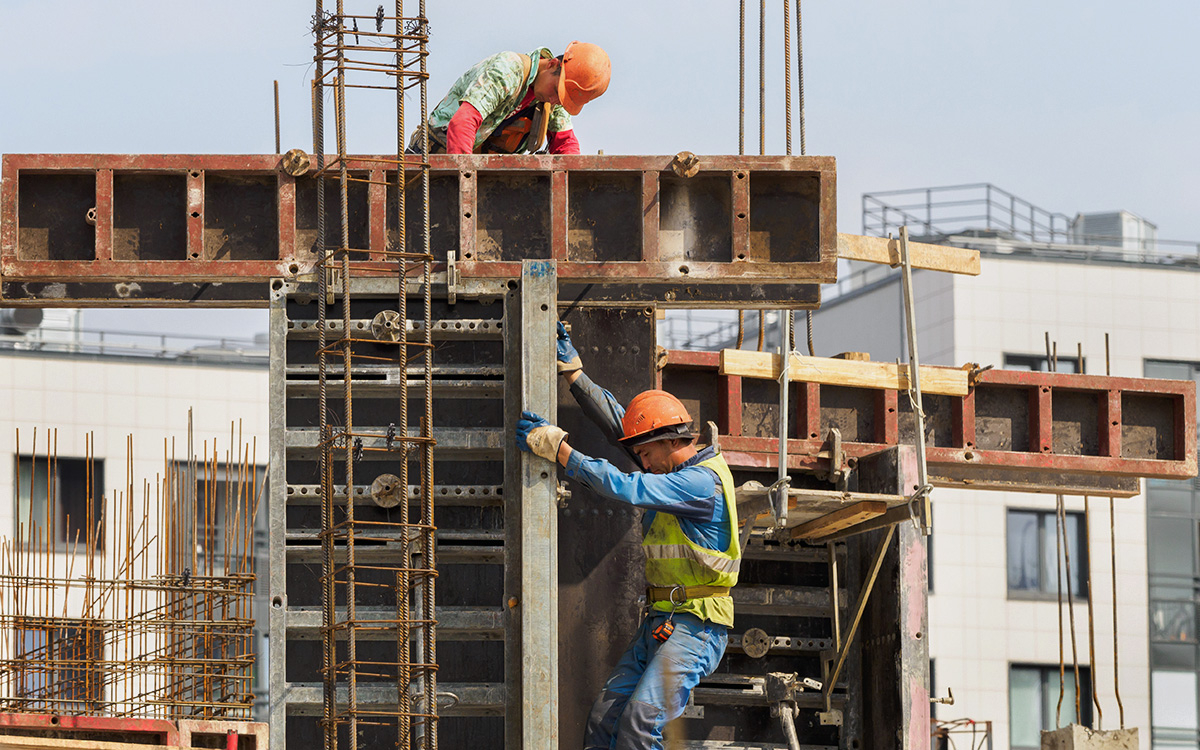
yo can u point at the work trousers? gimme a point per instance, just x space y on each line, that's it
651 683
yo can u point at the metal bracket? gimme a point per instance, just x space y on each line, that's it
947 701
914 384
691 710
864 595
452 278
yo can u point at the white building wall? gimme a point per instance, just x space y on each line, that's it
976 630
68 397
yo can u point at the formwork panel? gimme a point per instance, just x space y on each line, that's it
757 231
694 219
604 216
149 217
53 216
240 217
513 222
785 218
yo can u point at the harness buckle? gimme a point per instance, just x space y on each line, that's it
682 591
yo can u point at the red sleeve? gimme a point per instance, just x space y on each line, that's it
564 142
463 127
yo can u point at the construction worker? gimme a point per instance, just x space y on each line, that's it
511 103
689 536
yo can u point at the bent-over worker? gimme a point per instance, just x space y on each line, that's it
511 103
689 536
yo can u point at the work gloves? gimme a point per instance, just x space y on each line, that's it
568 358
537 436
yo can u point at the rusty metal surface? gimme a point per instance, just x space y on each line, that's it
767 223
1030 431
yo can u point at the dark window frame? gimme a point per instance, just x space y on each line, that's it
1079 561
1048 676
32 474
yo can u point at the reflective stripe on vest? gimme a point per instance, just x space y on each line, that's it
673 559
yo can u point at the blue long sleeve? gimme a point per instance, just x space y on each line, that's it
688 493
691 493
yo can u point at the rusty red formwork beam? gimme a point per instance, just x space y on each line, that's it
747 230
1024 431
103 728
183 733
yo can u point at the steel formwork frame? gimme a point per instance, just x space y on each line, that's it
751 231
1016 430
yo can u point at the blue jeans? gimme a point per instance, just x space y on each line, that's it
651 683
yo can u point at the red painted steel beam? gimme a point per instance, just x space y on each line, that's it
152 731
209 219
1119 427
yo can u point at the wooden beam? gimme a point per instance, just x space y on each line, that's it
931 257
834 522
946 381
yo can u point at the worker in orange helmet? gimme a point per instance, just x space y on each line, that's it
689 536
511 103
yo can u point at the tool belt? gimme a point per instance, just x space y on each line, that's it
677 595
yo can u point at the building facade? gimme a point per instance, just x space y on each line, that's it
113 410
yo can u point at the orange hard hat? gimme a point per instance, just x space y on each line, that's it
655 415
585 72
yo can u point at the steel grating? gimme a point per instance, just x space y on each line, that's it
1022 431
94 229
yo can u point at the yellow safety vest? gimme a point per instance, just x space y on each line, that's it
674 560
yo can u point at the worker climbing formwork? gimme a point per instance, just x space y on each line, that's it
689 529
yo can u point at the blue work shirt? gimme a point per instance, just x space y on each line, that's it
690 492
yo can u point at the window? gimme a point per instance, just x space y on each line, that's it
53 493
220 493
1173 559
58 657
1039 363
1033 702
1032 543
1173 714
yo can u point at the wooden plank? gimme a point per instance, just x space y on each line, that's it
932 257
834 522
947 381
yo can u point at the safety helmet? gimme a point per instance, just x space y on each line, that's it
585 72
655 415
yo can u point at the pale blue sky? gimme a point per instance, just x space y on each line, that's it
1072 105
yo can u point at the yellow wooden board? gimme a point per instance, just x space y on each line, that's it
833 522
947 381
932 257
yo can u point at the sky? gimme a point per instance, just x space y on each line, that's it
1075 106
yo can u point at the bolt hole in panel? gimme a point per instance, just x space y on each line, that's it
694 219
443 212
604 216
785 218
52 214
306 215
1002 419
1076 422
513 221
149 216
240 217
1148 427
